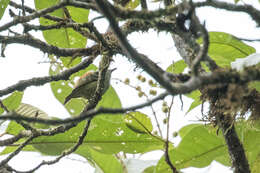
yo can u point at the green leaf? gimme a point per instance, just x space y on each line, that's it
225 48
195 95
110 100
255 85
103 136
112 137
79 15
186 129
198 148
106 162
12 102
255 167
14 128
150 169
250 137
177 67
63 37
3 5
138 122
10 149
200 145
132 4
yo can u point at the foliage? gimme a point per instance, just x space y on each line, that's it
117 132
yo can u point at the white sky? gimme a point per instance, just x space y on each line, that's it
23 62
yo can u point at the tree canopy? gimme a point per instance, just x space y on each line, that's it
217 69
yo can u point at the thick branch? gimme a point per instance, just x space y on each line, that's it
46 48
235 147
149 66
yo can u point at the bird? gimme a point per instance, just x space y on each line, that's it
86 85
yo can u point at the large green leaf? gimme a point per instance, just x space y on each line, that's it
63 37
103 136
225 48
250 137
256 165
3 5
12 102
110 100
198 148
200 145
103 139
112 137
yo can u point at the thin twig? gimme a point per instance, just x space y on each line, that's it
13 139
65 153
24 19
30 10
167 157
250 10
10 156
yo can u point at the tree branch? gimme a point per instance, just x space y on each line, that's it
24 19
149 66
235 147
46 48
37 81
30 10
250 10
84 115
65 153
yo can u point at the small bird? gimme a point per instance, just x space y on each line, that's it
86 85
